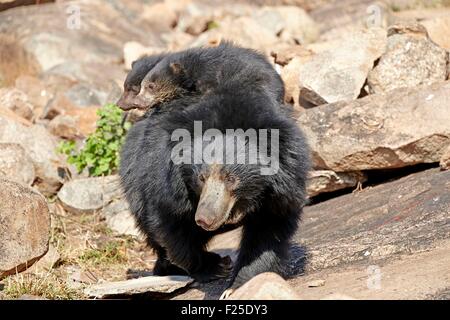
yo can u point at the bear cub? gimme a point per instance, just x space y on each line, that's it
209 68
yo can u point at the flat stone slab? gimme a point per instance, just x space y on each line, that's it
405 216
136 286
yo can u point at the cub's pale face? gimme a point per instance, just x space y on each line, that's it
160 85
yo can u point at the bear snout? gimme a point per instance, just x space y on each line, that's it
204 223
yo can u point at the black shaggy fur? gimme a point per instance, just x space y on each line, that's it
203 70
206 69
163 196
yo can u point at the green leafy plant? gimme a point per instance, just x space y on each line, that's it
100 153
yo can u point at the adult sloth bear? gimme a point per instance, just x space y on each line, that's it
180 199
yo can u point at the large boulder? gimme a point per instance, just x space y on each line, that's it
15 164
411 59
24 227
50 41
60 32
398 129
40 146
339 74
401 217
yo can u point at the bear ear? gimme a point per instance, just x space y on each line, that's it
176 68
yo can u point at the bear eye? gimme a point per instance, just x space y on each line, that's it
151 85
202 178
136 89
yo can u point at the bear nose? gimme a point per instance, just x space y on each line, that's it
203 223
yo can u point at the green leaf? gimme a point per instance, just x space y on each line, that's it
100 153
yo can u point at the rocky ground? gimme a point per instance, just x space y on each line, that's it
369 83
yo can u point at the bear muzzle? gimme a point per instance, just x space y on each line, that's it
214 206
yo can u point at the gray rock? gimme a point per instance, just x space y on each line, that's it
85 195
411 59
102 193
87 84
339 74
244 31
321 181
265 286
380 131
64 126
55 33
41 146
15 164
24 227
17 101
119 218
117 210
141 285
290 23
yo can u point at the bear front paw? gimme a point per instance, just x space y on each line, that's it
217 268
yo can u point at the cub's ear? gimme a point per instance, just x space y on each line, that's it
176 68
